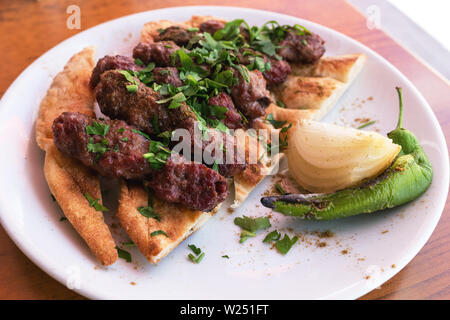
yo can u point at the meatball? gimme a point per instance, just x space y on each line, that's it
110 63
279 69
118 153
211 26
177 34
139 108
192 184
251 97
160 53
306 48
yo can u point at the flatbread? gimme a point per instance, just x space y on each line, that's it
69 91
67 178
177 222
343 68
68 181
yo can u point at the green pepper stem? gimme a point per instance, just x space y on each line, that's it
400 102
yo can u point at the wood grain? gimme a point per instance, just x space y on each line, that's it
29 28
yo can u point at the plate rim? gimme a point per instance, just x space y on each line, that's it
26 246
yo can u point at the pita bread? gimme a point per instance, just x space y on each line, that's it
177 222
67 178
343 68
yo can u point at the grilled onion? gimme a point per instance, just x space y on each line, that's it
324 157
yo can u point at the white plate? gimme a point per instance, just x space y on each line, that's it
253 270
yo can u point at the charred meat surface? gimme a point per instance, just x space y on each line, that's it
277 72
160 53
139 108
115 149
251 97
233 119
110 63
188 183
211 26
177 34
306 48
117 153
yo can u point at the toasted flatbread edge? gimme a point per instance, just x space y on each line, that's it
67 178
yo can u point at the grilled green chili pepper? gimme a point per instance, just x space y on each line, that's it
406 179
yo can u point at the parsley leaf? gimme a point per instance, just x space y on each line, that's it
158 232
272 236
245 235
123 254
94 203
157 154
195 259
285 244
275 123
97 128
280 189
149 212
195 249
198 254
252 225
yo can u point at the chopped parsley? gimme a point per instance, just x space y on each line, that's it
280 189
157 154
139 62
195 249
272 236
124 139
369 123
285 244
149 212
197 258
175 100
123 254
132 88
63 219
281 104
158 232
277 124
245 235
98 148
129 244
94 203
146 136
250 226
97 128
226 257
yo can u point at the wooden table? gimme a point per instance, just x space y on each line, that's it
29 28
